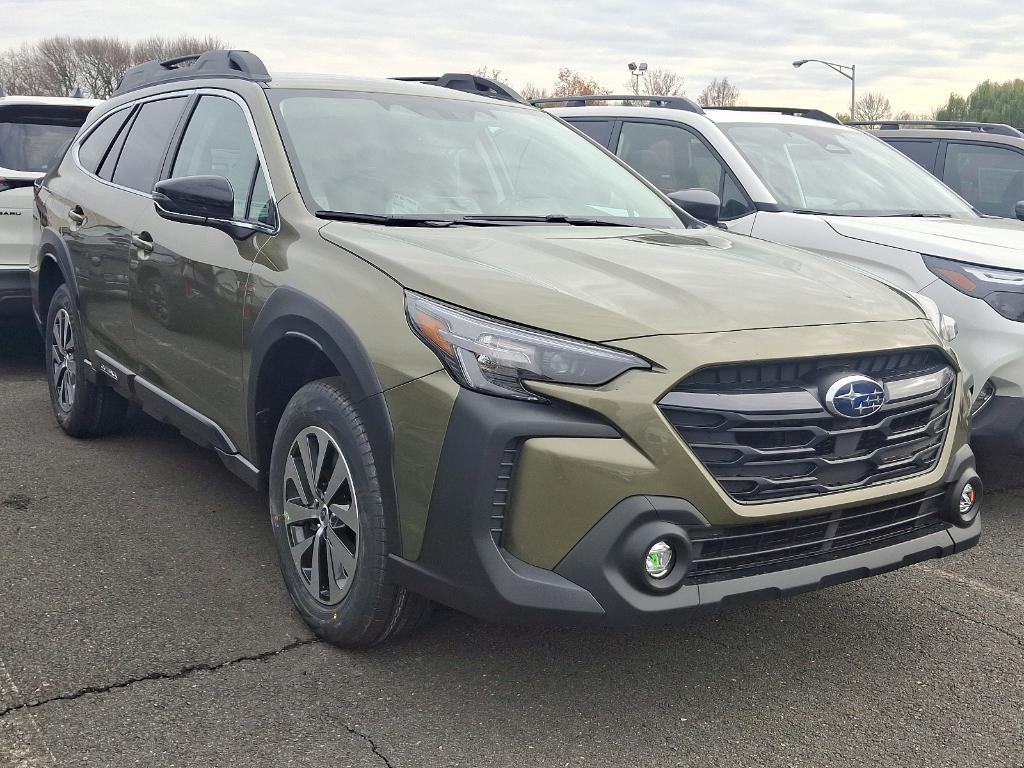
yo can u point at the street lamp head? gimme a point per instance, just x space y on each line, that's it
798 64
643 66
632 66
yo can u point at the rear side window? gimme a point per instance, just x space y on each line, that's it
218 142
143 152
97 143
921 152
990 178
33 136
599 130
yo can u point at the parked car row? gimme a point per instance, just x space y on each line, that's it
476 359
801 178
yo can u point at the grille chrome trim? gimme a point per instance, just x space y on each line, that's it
766 444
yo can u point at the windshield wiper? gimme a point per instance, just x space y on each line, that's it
388 221
916 216
554 218
813 212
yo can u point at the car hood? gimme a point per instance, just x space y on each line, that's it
992 242
603 283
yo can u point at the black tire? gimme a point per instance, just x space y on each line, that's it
90 409
369 610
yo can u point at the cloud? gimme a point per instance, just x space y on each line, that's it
916 52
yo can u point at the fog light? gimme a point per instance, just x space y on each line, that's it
967 498
659 560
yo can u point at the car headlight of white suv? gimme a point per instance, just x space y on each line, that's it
1001 289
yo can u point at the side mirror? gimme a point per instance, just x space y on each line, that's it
204 200
699 203
1018 210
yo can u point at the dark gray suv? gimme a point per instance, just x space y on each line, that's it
982 162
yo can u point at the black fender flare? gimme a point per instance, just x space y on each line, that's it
291 313
52 246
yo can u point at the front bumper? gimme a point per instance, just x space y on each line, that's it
15 292
464 561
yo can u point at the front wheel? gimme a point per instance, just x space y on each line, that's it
82 409
329 522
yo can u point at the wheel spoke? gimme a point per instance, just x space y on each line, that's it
294 472
334 571
306 463
340 554
300 548
346 513
296 514
58 335
317 564
338 477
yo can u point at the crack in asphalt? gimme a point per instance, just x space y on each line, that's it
185 671
369 740
966 617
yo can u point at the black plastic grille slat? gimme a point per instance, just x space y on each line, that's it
720 553
771 455
503 490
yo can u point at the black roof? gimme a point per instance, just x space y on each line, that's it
212 64
999 129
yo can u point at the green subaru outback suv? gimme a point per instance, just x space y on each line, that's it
475 360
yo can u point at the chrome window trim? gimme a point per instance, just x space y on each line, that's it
222 93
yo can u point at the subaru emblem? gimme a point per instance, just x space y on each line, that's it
855 397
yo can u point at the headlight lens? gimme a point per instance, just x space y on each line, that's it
1001 289
497 358
944 325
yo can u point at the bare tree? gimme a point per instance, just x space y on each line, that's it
531 91
492 73
873 106
573 83
662 82
719 93
55 65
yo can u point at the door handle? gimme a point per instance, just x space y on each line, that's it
143 242
77 215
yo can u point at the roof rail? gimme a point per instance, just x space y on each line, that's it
810 114
668 102
240 64
1001 129
466 83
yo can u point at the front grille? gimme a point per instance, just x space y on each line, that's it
763 433
746 550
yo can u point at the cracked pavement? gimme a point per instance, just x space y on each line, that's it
143 623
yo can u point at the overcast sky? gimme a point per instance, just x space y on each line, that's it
915 52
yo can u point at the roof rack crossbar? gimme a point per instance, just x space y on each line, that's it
467 83
810 114
1001 129
235 64
668 102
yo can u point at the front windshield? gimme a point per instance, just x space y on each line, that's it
442 158
841 171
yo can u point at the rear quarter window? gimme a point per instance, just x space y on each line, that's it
94 148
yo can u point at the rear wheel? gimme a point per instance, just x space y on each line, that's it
82 409
330 525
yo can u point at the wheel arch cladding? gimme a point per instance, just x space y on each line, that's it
292 320
54 263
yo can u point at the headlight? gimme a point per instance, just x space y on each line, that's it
497 358
1001 289
944 325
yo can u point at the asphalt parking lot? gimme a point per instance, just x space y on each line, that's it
143 623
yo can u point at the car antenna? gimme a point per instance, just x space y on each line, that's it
76 92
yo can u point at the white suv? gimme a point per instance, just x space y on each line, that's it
801 178
33 131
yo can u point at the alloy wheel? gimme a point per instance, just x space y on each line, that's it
62 360
321 517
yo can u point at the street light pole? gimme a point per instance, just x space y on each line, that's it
847 71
